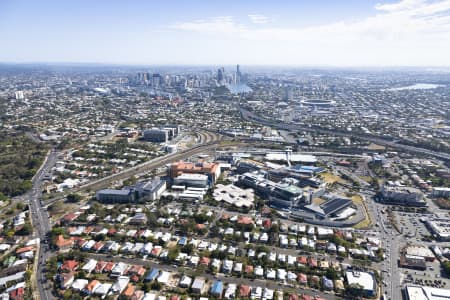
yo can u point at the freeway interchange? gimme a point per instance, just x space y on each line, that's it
249 116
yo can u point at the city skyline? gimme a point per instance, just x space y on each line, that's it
323 33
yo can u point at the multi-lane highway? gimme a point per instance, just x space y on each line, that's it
249 116
41 225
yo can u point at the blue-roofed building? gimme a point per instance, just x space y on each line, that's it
152 275
327 283
182 241
307 170
217 288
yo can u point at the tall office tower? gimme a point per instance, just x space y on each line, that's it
288 94
219 75
156 80
19 95
238 75
146 77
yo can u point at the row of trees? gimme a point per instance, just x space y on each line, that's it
20 157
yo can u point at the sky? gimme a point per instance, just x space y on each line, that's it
226 32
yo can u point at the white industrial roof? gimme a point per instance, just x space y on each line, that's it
364 279
426 293
292 157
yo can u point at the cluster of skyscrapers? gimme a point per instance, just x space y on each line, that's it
237 77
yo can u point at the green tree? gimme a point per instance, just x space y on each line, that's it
25 230
446 267
74 198
173 254
355 290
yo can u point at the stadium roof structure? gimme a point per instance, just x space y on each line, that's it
331 206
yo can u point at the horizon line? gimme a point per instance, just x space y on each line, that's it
114 64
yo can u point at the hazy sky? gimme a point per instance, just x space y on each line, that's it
251 32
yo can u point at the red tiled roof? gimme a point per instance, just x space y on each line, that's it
245 220
293 297
70 217
244 290
69 265
109 266
302 260
61 242
204 261
267 223
129 291
91 285
17 294
24 249
301 277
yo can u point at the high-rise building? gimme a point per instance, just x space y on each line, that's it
238 75
19 95
156 135
146 77
156 80
219 75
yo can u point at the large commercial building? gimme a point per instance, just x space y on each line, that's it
285 195
413 262
234 195
364 279
150 190
211 170
330 207
115 196
425 293
142 191
440 227
401 196
191 180
156 135
443 192
172 130
420 251
161 134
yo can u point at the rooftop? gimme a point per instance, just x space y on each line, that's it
364 279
